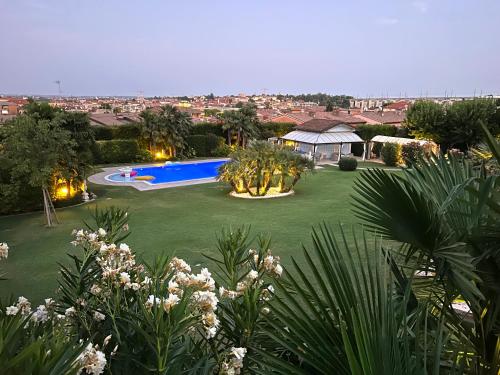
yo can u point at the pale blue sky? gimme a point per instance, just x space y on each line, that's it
189 47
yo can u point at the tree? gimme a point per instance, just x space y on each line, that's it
425 120
79 164
39 149
329 107
167 129
243 123
40 110
456 125
462 129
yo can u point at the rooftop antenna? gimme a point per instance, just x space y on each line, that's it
58 83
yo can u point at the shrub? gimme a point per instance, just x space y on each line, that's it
222 150
391 154
348 164
117 151
411 152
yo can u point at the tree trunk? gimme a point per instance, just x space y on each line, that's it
68 186
229 137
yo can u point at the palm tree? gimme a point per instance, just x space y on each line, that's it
167 129
242 122
445 212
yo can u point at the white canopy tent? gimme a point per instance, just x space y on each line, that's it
326 145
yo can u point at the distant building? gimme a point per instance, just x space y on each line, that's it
8 108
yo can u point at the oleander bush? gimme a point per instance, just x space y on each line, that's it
348 163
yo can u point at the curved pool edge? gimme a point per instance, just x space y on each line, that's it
100 178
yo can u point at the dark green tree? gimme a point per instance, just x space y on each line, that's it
425 120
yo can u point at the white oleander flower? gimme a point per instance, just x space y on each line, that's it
11 310
101 232
24 305
4 250
171 301
98 316
95 289
91 361
252 275
124 278
70 311
41 314
151 301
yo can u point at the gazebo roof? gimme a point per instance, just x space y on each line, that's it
399 140
322 138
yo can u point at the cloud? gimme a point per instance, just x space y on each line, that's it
421 6
386 21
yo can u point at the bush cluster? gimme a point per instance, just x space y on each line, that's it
348 163
391 154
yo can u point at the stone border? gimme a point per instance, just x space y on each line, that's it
248 196
101 178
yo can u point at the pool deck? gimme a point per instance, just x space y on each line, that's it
101 177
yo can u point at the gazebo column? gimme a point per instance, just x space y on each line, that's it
364 151
340 152
314 152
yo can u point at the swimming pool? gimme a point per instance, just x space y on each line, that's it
172 172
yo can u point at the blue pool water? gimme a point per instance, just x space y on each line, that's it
175 172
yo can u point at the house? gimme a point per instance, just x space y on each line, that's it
323 139
382 117
8 108
109 119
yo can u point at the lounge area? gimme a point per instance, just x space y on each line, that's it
322 140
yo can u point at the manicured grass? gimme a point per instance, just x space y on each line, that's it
185 220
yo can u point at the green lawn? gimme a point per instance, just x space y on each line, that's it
184 220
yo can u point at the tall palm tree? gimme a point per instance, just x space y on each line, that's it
167 129
242 122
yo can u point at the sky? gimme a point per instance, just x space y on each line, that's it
194 47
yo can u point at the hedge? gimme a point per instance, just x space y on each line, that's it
204 128
204 145
127 131
118 151
367 132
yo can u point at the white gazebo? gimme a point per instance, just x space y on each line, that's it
322 139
